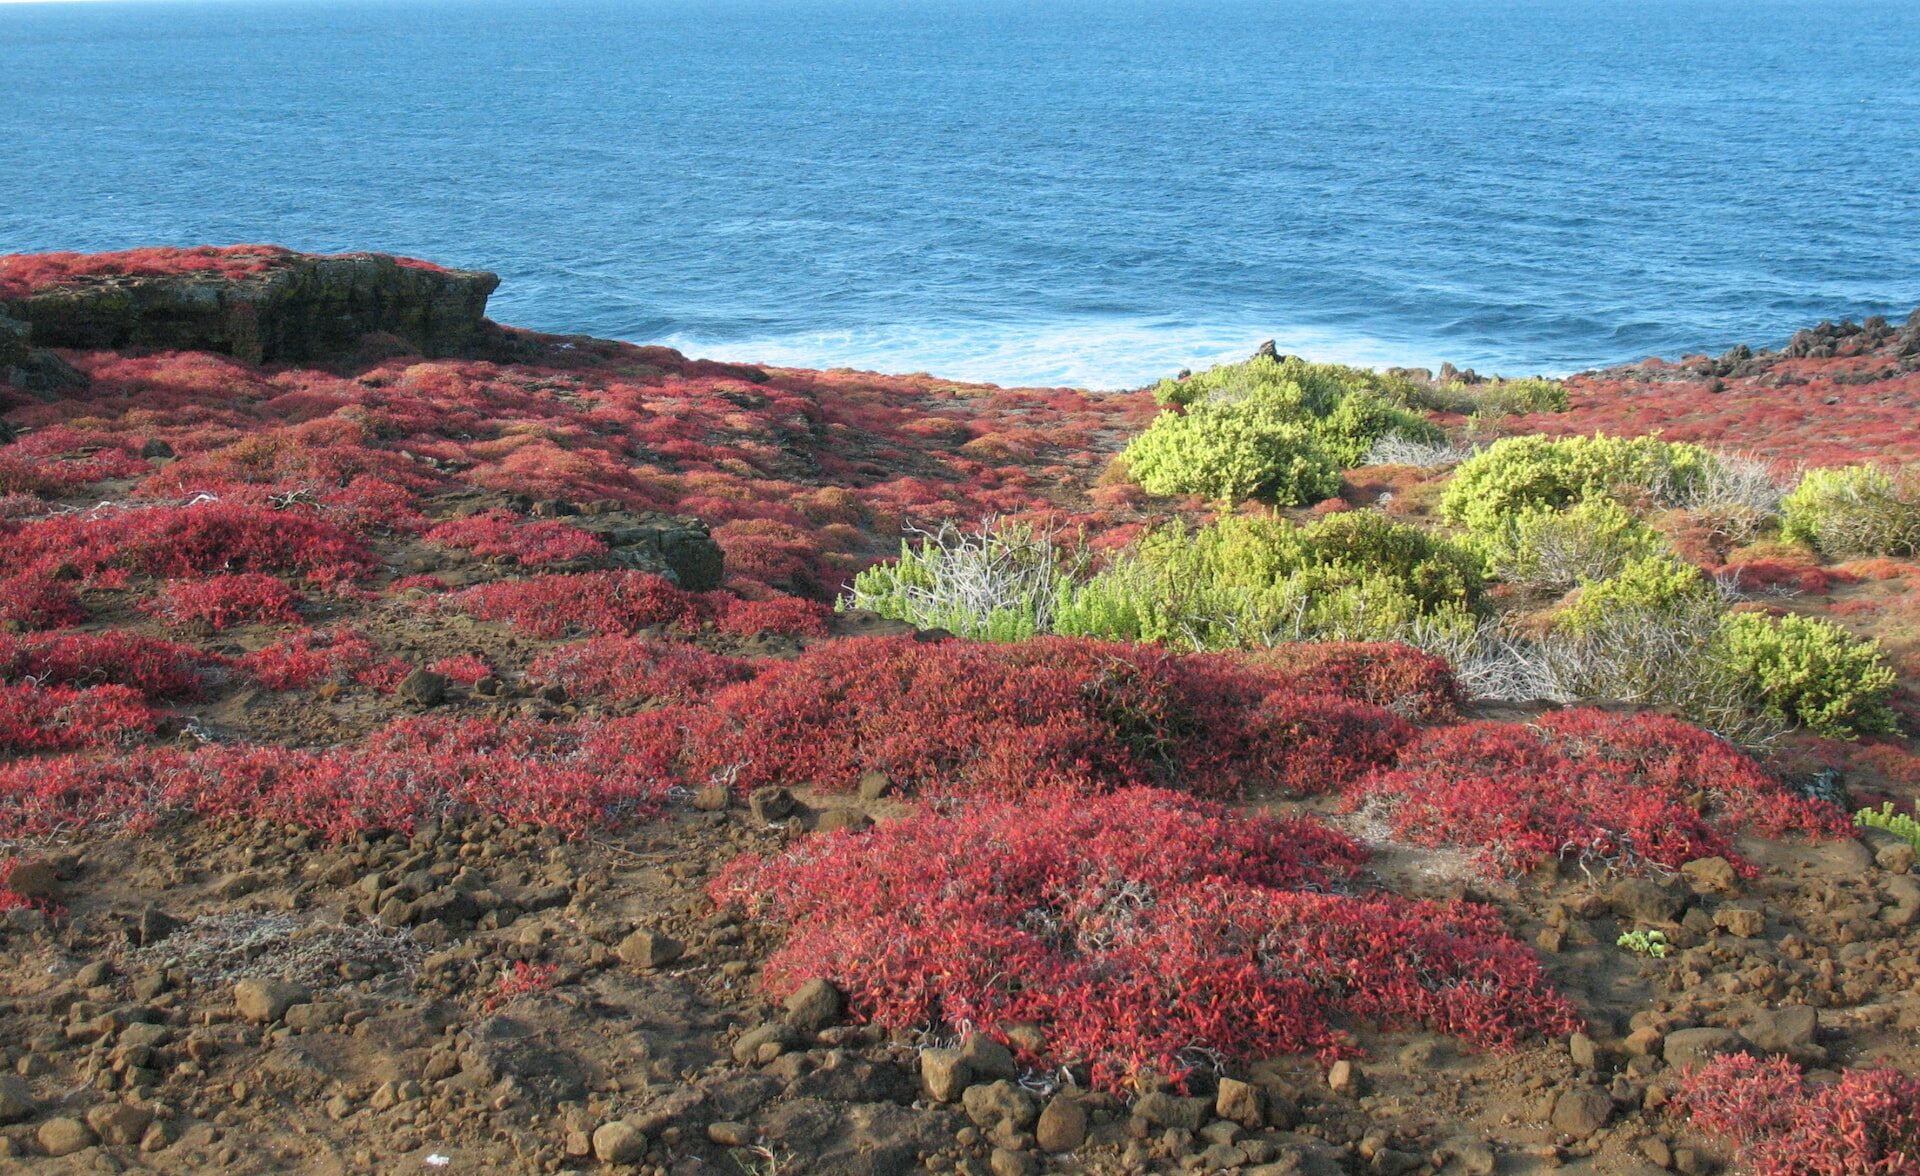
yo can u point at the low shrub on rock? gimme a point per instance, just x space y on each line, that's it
1585 786
1866 1123
959 718
1141 931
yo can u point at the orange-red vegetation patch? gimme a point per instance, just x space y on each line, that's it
962 718
1865 1123
1587 786
1142 930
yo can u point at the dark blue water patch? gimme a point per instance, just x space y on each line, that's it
1086 192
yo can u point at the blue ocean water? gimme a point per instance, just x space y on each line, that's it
1092 192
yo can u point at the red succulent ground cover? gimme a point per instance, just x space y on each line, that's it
220 602
157 669
23 273
56 718
1813 411
961 718
1142 930
199 538
629 669
500 534
1588 786
573 778
1867 1123
313 656
1410 682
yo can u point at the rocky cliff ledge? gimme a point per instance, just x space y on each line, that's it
263 306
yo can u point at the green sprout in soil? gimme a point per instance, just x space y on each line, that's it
1646 943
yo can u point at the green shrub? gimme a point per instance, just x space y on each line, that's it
1253 581
1231 452
1278 429
1648 584
1362 418
1520 397
1432 569
1515 474
1553 550
1855 510
1811 672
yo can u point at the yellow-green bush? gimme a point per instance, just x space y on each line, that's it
1232 451
1543 548
1649 584
1249 581
1855 510
1812 672
1269 428
1515 474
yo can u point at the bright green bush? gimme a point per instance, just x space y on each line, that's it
1515 474
1855 510
1233 451
1811 672
1278 429
1362 418
1553 550
1251 581
1649 584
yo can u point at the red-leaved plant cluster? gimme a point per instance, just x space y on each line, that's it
221 602
633 669
501 535
958 717
574 778
57 718
1141 931
1588 786
1865 1124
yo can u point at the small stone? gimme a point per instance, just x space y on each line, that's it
618 1143
770 804
1895 857
1010 1163
713 798
1711 875
1242 1103
119 1123
64 1136
33 879
727 1133
1062 1126
1582 1050
1582 1111
987 1058
1644 900
994 1103
1167 1110
1343 1077
1477 1159
1743 921
1687 1049
266 1001
945 1074
874 785
1783 1030
649 949
835 820
423 688
748 1046
153 926
16 1100
816 1005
